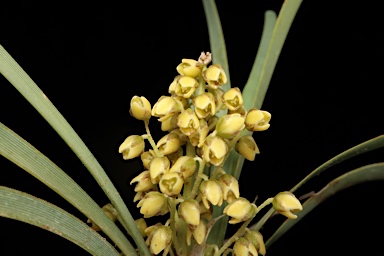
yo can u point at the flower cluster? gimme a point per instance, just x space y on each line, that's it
203 123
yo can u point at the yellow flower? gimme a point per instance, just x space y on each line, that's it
171 183
246 146
200 232
239 210
147 157
158 166
243 247
169 143
198 138
257 120
186 86
214 150
230 186
215 76
184 165
165 107
256 238
211 192
189 211
132 147
286 203
142 226
153 204
160 239
233 99
188 122
144 182
228 126
204 105
189 67
140 108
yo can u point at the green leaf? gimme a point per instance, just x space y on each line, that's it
364 147
25 85
24 155
363 174
20 206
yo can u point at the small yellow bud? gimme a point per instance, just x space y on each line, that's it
165 107
184 165
189 211
230 186
188 122
228 126
186 86
138 196
256 238
132 147
189 67
142 226
239 210
170 123
257 120
160 239
211 192
233 99
140 108
158 167
153 204
172 86
243 247
200 232
215 76
169 143
171 183
286 203
214 150
199 137
144 182
204 105
246 146
147 157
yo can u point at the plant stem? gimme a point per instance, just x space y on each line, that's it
150 139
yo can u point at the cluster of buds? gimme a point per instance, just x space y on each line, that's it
197 136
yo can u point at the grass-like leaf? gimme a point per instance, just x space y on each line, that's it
363 174
24 155
20 206
364 147
25 85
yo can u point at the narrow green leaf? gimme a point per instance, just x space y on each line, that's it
363 174
251 92
216 38
25 85
364 147
24 155
20 206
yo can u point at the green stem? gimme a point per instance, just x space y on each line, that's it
150 139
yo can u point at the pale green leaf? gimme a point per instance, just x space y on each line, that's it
20 206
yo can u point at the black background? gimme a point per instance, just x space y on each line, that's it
91 58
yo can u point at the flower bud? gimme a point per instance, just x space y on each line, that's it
153 204
189 211
214 150
170 123
286 203
239 210
147 157
243 247
165 107
200 232
171 183
204 105
189 67
169 143
230 186
233 99
257 120
132 147
257 240
142 226
184 165
144 182
211 192
215 76
160 239
158 167
140 108
186 86
246 146
228 126
188 122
